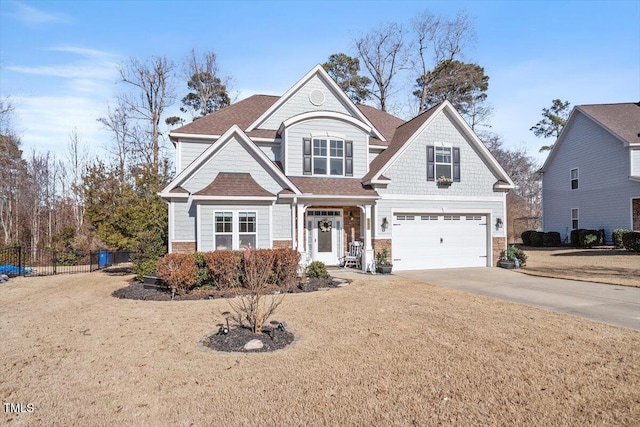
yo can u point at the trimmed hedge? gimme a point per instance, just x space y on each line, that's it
526 237
631 241
551 239
575 237
226 269
616 236
536 238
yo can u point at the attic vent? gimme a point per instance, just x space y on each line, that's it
316 97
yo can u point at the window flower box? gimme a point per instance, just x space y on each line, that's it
444 181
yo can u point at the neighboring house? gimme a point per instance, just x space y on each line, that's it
591 178
310 170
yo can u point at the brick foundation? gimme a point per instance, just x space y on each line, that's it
183 247
380 244
636 214
499 245
282 244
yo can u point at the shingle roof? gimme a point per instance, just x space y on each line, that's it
242 113
332 186
179 190
383 121
621 119
234 184
245 112
400 137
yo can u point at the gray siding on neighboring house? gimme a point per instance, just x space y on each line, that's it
184 220
206 223
190 150
604 193
299 103
408 174
307 128
635 162
232 158
281 221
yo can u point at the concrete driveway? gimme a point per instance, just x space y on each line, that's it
616 305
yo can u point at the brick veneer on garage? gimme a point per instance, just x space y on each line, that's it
636 214
183 247
282 244
499 245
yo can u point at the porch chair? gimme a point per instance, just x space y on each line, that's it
352 259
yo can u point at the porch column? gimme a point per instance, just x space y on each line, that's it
294 241
367 253
300 240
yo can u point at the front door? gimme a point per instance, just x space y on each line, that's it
323 235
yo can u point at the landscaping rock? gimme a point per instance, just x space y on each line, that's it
254 344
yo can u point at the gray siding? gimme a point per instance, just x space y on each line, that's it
232 158
385 208
184 220
299 103
604 192
272 152
305 129
206 222
281 221
409 173
190 150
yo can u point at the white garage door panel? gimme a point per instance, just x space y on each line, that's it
431 241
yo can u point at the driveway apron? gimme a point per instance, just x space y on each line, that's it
616 305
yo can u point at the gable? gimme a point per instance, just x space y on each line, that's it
408 172
232 158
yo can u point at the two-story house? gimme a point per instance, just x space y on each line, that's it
591 178
310 170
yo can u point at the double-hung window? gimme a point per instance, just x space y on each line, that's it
328 157
444 165
574 219
234 230
574 179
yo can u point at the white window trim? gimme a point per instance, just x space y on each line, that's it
577 218
577 178
235 228
328 157
436 163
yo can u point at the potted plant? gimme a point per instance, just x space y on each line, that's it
383 266
512 258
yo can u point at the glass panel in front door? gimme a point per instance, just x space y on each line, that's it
324 237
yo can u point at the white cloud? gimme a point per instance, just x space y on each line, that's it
31 16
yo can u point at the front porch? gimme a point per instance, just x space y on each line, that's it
323 232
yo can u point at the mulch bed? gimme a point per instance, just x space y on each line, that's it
235 340
140 291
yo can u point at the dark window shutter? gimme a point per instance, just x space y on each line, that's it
306 156
456 164
431 168
348 158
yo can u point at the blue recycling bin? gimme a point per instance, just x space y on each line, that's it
103 259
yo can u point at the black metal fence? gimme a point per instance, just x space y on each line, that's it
20 261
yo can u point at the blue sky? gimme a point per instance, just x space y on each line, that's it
58 59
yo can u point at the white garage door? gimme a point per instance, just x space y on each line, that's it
422 241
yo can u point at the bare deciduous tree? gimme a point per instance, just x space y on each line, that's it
209 89
383 53
155 93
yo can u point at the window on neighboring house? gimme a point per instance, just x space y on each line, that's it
327 156
234 231
574 178
574 219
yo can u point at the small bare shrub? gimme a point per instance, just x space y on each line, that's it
179 271
224 268
253 309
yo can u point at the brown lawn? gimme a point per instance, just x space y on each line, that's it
612 266
382 351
